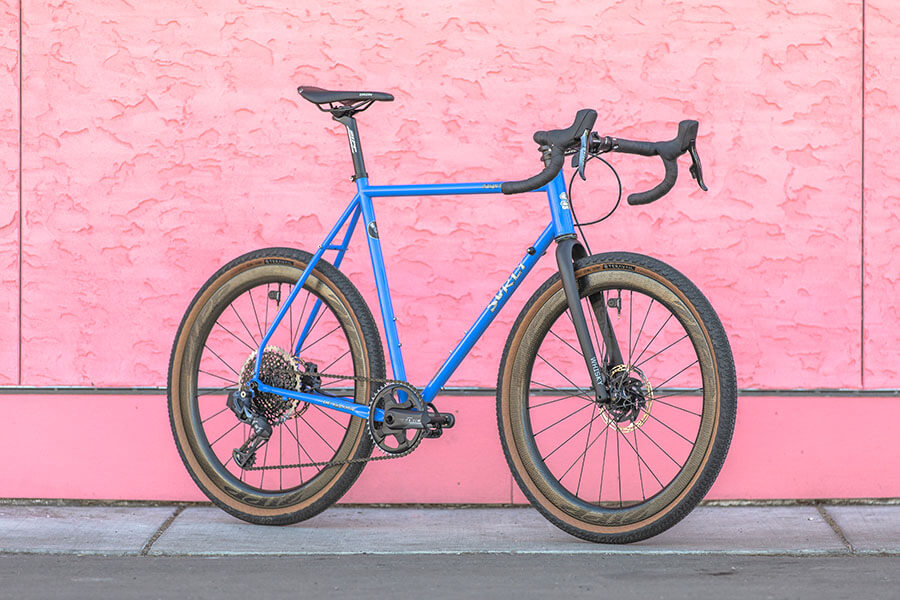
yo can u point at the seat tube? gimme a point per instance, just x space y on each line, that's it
381 283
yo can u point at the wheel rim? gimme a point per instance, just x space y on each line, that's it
578 454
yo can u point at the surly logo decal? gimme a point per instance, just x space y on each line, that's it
513 277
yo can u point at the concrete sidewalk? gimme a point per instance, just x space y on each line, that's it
207 531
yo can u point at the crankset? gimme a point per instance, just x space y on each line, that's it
406 419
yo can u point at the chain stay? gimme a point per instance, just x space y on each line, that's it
348 461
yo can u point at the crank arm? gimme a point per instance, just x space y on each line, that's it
399 418
565 260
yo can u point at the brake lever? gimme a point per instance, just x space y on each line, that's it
582 154
696 168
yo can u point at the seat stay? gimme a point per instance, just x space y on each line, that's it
350 213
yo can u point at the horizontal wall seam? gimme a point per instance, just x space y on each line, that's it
448 391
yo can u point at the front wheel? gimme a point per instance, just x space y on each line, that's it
625 469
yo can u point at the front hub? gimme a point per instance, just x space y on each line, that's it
631 398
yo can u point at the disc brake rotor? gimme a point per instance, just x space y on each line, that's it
632 399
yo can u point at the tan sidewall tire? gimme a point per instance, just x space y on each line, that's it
565 510
329 484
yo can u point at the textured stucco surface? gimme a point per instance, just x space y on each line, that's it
882 222
9 192
162 140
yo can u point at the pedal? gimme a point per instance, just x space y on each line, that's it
434 422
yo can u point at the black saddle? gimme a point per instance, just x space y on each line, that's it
341 103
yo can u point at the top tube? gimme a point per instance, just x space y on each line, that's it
436 189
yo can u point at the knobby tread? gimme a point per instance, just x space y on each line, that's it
323 271
727 401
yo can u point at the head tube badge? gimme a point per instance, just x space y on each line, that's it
564 201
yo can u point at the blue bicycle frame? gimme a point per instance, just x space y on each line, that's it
561 225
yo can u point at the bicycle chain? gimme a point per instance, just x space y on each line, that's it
349 461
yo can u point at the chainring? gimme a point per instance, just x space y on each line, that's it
390 440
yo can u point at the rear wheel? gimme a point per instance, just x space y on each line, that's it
214 353
624 470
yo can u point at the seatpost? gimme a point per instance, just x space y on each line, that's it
359 167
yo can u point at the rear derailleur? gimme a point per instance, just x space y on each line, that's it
240 402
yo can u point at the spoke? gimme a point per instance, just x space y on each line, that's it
300 446
256 313
561 420
583 391
325 369
647 435
680 392
603 465
670 429
233 427
677 374
630 314
684 337
317 433
559 399
231 381
264 463
223 362
211 391
638 339
212 416
583 455
300 319
678 407
296 435
325 412
619 464
235 336
316 322
661 327
556 389
574 349
321 338
544 458
280 459
247 329
625 437
640 474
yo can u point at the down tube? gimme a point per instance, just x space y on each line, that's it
487 315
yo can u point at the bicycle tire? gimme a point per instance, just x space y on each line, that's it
217 476
639 516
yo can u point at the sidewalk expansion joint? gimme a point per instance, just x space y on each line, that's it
162 529
835 527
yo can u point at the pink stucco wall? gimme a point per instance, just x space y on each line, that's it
154 133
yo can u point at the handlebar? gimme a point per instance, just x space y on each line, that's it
668 151
555 144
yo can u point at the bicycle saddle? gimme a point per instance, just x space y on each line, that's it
319 96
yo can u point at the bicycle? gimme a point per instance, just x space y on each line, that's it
308 410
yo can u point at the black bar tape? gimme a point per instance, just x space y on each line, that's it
632 147
660 190
557 158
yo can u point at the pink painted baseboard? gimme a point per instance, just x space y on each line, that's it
120 447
